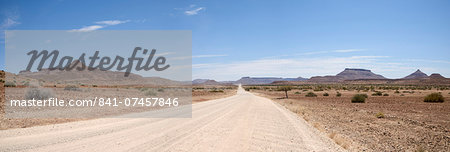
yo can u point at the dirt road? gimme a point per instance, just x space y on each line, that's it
243 122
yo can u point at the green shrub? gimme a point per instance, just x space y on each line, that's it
365 95
434 97
94 85
318 89
359 98
379 115
297 92
9 84
325 94
396 91
385 94
378 93
338 94
402 95
311 94
162 90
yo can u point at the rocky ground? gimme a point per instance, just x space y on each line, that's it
409 124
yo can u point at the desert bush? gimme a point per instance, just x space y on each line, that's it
385 94
402 95
38 93
359 98
162 90
318 89
396 91
216 90
144 89
150 93
305 90
379 115
72 88
434 97
325 94
378 93
311 94
297 92
338 94
365 95
9 84
94 85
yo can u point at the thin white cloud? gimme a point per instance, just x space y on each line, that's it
348 50
428 60
88 28
11 19
8 22
314 66
100 25
332 51
194 11
292 67
112 22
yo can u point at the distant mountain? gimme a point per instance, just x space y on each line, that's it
436 76
355 74
199 81
295 79
348 74
265 80
416 75
97 77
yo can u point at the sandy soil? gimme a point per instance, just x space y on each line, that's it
409 124
243 122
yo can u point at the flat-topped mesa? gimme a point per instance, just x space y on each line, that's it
354 69
354 74
436 76
348 74
265 80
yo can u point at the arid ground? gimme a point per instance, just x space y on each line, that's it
401 121
398 120
198 95
243 122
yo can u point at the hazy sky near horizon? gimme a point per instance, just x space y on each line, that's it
232 39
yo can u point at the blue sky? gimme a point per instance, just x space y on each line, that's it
231 39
